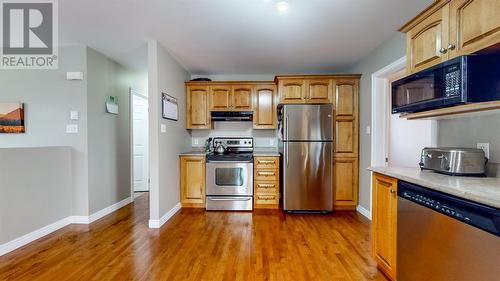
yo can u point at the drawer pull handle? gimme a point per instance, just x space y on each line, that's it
266 162
265 197
266 185
266 173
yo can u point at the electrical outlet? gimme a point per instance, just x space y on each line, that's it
163 128
486 148
368 130
72 129
271 142
196 141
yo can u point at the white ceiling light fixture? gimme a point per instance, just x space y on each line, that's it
282 6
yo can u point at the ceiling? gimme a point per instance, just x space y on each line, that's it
237 36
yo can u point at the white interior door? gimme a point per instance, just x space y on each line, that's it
140 143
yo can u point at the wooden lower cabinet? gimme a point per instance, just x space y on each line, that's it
345 182
192 180
266 182
384 223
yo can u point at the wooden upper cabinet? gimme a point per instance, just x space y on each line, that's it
198 115
474 25
384 223
241 98
265 107
346 117
192 180
426 42
451 28
291 90
319 91
345 183
220 98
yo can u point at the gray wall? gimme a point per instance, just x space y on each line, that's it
468 131
48 99
108 134
33 194
165 75
390 51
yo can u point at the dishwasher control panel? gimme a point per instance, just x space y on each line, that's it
472 213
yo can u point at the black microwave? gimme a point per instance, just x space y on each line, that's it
465 79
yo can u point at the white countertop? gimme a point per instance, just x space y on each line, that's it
481 190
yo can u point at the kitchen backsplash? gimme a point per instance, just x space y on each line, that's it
262 138
468 131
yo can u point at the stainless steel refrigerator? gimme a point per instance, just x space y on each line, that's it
306 139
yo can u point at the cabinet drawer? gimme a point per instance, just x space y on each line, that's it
266 175
266 162
266 199
266 187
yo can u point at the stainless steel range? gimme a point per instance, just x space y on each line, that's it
229 177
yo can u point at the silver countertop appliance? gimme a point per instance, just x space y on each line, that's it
229 176
454 161
442 237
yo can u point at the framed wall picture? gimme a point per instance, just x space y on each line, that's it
169 107
12 118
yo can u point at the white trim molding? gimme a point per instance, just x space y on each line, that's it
32 236
165 217
46 230
364 212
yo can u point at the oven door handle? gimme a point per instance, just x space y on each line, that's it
229 199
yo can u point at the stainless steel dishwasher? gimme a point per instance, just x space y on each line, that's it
442 237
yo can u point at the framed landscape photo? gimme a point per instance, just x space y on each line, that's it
12 118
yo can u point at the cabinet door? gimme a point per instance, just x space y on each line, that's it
346 118
242 98
220 98
198 115
474 25
265 107
384 223
291 91
345 195
427 41
192 181
319 91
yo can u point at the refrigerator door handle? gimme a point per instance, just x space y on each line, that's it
286 126
286 154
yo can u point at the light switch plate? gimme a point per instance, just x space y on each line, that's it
486 148
368 130
72 129
163 128
73 115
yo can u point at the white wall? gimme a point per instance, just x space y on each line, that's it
407 138
165 75
262 138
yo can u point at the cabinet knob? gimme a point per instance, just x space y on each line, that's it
393 191
443 50
451 47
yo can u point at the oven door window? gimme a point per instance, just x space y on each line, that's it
229 176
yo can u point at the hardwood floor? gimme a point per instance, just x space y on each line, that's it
198 245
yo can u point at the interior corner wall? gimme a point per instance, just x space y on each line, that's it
108 134
168 76
390 51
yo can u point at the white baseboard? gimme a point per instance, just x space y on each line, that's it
165 217
32 236
108 210
39 233
364 212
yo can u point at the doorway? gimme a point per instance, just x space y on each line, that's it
140 143
395 141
